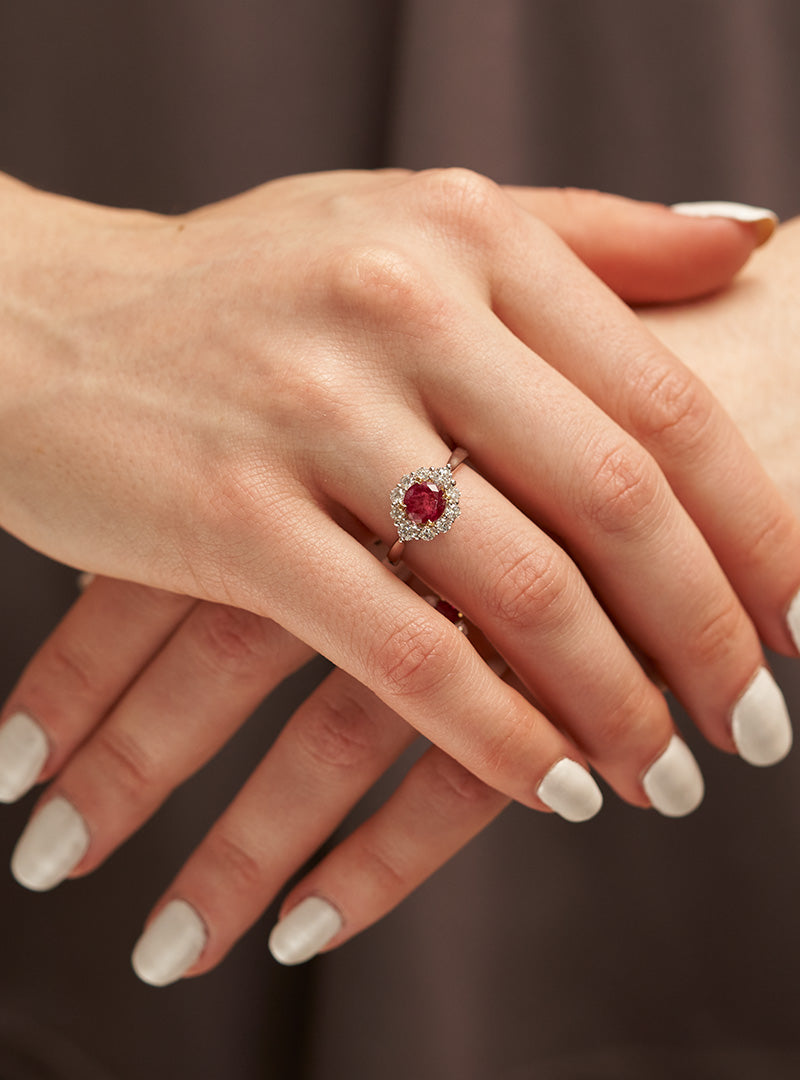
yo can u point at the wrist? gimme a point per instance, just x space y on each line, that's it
60 262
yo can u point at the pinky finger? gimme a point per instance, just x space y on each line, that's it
437 809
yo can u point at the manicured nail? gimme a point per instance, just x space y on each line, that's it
304 931
171 944
793 620
674 783
764 220
760 722
571 791
53 843
23 752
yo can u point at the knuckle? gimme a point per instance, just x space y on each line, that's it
466 208
671 407
506 752
460 197
338 732
69 671
714 640
233 863
623 726
383 867
233 640
382 285
532 589
125 760
450 788
775 535
622 491
411 661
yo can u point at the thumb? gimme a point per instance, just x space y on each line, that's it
648 253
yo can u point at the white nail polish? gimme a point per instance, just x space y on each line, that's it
673 783
571 791
53 843
304 931
765 219
171 944
793 620
23 752
760 722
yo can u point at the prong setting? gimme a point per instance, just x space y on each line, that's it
436 479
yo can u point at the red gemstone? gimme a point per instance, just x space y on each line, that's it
424 503
449 612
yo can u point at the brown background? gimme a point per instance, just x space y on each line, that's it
630 947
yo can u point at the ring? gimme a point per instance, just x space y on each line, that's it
425 503
452 614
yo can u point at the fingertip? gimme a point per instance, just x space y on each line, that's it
304 931
171 944
670 257
649 253
758 220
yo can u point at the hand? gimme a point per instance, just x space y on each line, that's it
613 545
744 345
201 669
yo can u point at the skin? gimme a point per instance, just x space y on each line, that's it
429 305
743 344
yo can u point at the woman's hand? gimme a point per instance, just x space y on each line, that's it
372 321
745 345
159 683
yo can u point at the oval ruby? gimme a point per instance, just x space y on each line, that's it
424 503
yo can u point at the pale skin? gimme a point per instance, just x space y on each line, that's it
374 320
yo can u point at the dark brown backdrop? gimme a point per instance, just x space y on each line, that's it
630 947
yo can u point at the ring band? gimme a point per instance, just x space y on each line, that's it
425 503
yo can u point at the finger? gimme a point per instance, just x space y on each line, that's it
435 811
438 808
667 410
185 705
338 743
522 590
396 644
596 488
106 638
547 624
648 253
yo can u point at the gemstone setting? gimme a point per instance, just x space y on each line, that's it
425 503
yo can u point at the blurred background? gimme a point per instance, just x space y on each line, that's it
630 947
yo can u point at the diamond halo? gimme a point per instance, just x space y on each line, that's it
442 479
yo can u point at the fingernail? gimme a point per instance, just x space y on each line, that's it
793 620
673 783
171 944
304 931
764 220
53 843
571 791
760 722
23 753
